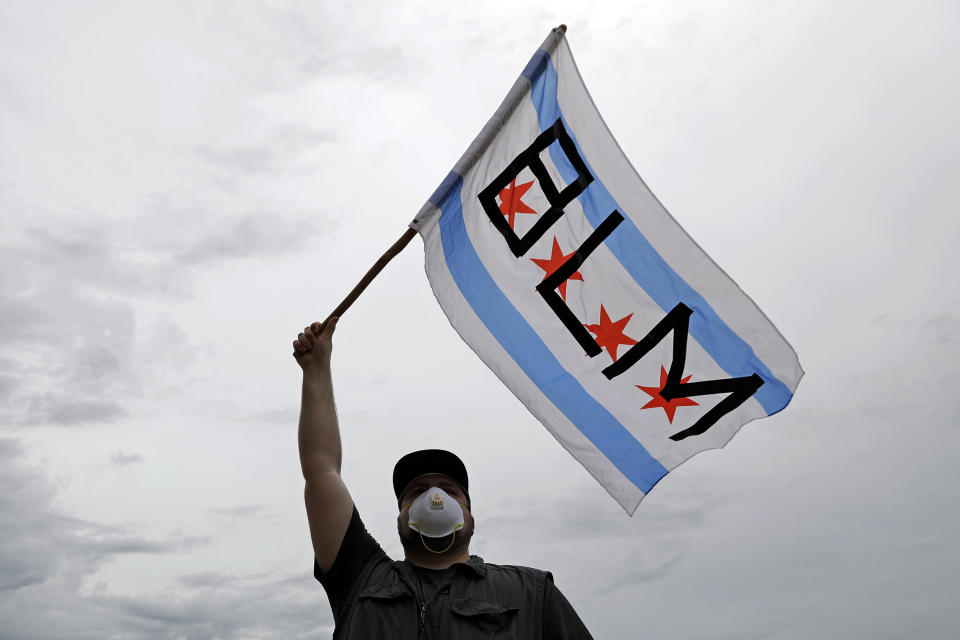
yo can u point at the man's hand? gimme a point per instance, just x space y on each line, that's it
314 345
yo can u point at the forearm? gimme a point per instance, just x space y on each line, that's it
319 433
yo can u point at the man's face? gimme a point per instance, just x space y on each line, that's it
409 538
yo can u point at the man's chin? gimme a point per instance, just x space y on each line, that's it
414 545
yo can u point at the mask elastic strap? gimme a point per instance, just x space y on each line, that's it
453 538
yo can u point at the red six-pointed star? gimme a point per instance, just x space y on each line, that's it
553 263
610 334
670 406
510 200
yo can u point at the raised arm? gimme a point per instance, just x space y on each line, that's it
329 505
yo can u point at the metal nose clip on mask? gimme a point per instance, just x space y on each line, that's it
435 514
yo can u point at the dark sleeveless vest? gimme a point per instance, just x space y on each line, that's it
477 600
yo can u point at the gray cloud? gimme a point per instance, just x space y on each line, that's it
224 606
74 336
39 543
581 517
25 495
280 152
68 329
205 579
85 252
283 417
594 551
245 237
639 567
7 384
46 555
295 46
110 545
24 559
65 411
243 511
122 459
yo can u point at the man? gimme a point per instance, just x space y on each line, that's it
439 590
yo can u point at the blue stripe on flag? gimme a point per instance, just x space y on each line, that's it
641 260
522 343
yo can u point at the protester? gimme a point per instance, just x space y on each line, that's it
439 590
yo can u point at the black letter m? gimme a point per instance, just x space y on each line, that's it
678 321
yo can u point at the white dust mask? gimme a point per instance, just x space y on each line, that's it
435 514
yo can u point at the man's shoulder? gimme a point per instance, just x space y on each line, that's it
511 573
511 569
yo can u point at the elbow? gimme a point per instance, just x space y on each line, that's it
314 474
318 463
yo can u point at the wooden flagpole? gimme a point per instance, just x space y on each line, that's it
382 262
372 273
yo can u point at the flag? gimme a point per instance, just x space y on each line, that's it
558 266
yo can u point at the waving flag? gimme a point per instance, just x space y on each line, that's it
562 271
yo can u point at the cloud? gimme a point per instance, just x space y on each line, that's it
85 312
47 558
245 237
287 47
25 495
280 152
65 411
595 519
123 459
205 579
38 543
244 511
83 251
111 544
584 538
69 328
225 607
639 566
7 383
282 417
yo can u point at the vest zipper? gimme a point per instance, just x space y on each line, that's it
423 614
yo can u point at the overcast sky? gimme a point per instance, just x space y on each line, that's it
184 186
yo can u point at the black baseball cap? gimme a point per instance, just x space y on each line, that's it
413 465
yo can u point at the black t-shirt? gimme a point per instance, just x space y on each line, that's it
430 580
359 548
